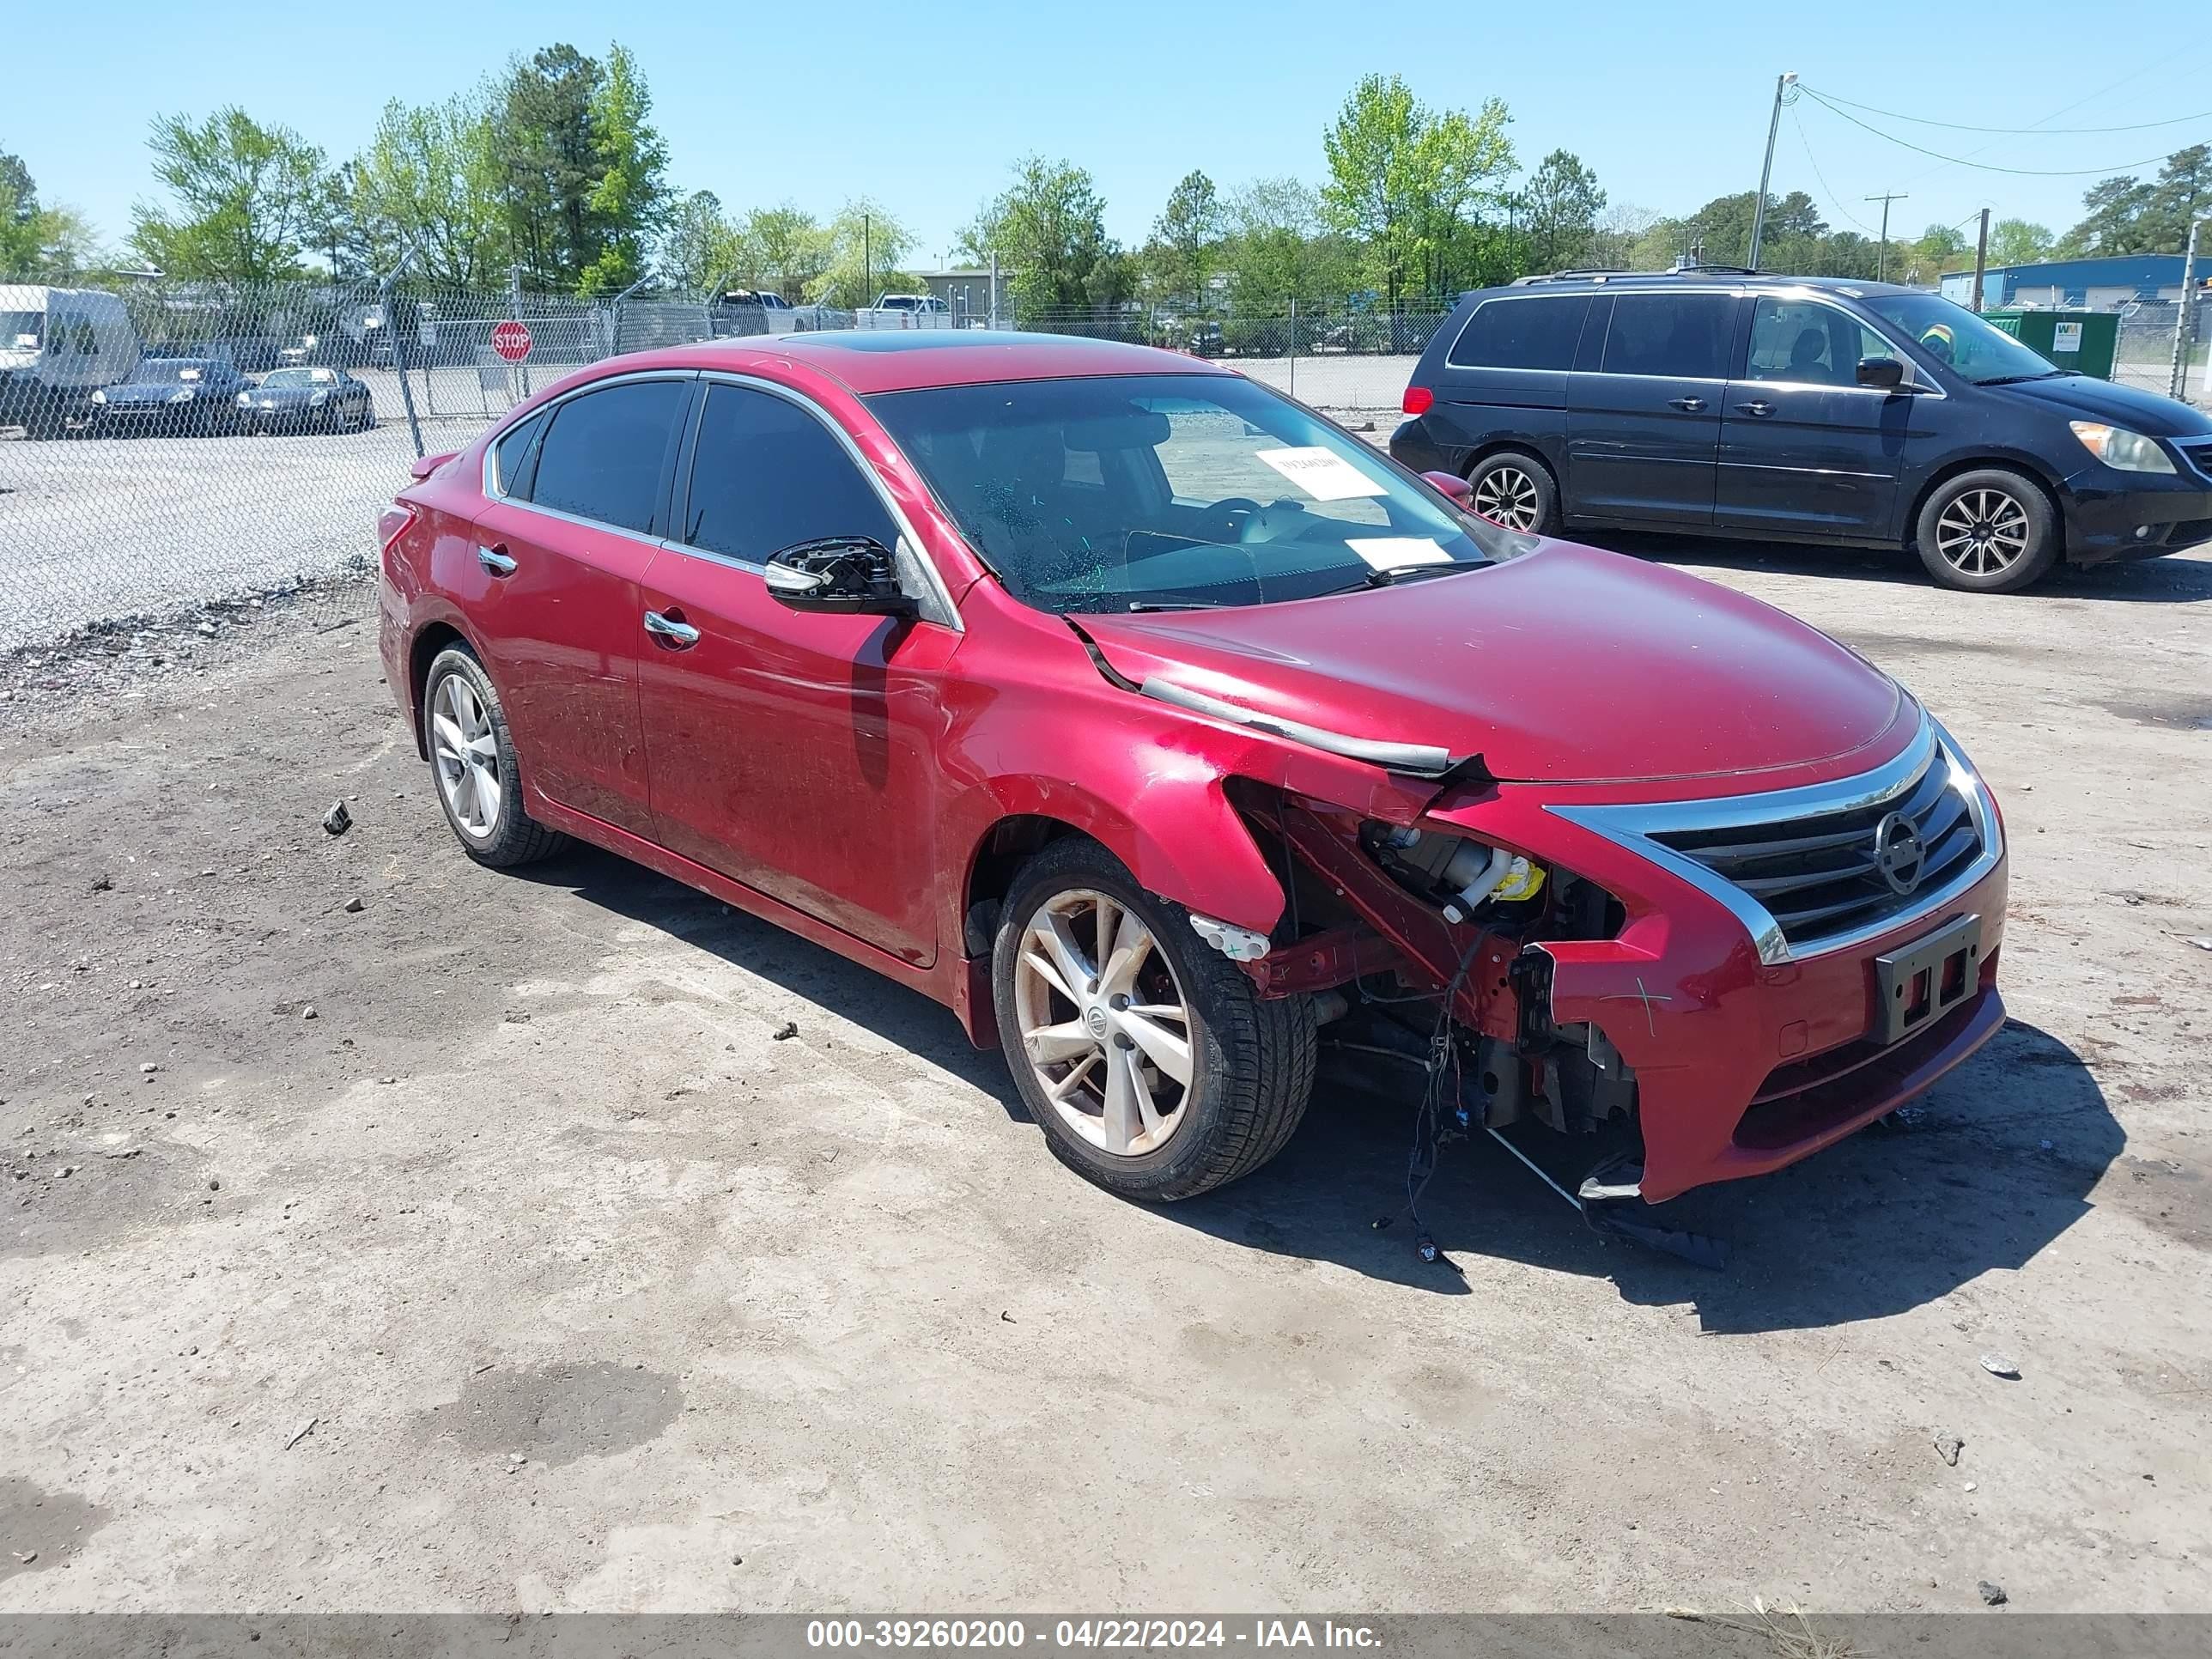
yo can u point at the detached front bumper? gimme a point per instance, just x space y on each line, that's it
1748 1053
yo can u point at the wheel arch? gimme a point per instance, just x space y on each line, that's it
1513 444
1999 461
1188 843
423 650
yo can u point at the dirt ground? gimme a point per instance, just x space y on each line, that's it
483 1247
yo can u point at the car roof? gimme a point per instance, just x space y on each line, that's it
1710 275
867 360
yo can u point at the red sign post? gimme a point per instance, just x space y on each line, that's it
511 339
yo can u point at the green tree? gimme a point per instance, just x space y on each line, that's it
430 182
2182 197
1048 229
628 196
244 198
2112 220
1406 183
864 250
38 243
783 248
550 164
699 249
1563 201
1280 248
1186 237
2018 242
1939 248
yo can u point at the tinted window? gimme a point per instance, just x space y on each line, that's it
601 456
511 455
1810 343
1522 334
768 475
1682 336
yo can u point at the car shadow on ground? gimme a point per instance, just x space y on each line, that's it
2171 581
1999 1161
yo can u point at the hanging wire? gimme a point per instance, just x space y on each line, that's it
1989 167
1833 99
1827 189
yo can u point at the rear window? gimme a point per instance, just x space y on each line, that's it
602 456
1679 335
1531 333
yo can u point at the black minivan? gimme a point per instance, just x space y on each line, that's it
1813 408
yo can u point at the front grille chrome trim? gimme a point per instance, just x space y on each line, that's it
1634 827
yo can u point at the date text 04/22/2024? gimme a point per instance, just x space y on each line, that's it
1088 1635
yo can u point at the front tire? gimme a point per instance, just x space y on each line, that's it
473 760
1516 490
1991 531
1154 1067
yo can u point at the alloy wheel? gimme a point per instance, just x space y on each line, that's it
467 754
1507 495
1982 532
1103 1023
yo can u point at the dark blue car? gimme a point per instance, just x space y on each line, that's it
1858 414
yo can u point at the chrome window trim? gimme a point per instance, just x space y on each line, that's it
1914 386
936 599
1632 827
492 492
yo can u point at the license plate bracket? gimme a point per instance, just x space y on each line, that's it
1926 979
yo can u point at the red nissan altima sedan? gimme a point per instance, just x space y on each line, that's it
1153 723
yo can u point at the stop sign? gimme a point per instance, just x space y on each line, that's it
511 340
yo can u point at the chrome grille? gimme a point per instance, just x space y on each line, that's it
1822 874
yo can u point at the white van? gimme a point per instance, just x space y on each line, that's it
57 347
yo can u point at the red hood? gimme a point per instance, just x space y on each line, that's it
1565 665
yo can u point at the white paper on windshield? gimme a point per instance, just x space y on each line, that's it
1389 552
188 374
1323 474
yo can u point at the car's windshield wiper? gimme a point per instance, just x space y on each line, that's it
1387 575
1175 604
2015 379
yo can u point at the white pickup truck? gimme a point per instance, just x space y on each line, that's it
906 311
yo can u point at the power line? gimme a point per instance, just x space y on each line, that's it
1826 189
1831 100
1986 167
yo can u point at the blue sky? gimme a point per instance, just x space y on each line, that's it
924 104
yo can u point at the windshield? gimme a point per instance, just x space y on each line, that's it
20 330
284 377
1982 353
168 371
1129 491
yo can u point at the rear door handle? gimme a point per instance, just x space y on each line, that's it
1758 406
494 560
681 636
1687 405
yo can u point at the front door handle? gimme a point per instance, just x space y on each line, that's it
680 635
1687 405
494 560
1757 406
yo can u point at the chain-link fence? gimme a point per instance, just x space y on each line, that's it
2146 357
170 452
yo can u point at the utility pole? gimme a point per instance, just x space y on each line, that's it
2177 377
1782 82
867 262
1981 262
1881 259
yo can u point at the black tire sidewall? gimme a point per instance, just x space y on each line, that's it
2043 545
1547 491
1172 1169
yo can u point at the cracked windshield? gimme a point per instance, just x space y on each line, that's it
1172 491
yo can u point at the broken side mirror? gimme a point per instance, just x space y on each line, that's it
1450 484
1884 374
850 574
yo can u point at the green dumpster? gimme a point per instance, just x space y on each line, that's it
2085 341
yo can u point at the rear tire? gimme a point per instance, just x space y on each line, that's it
473 761
1991 531
1250 1059
1515 489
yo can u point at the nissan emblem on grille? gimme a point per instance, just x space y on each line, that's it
1898 853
